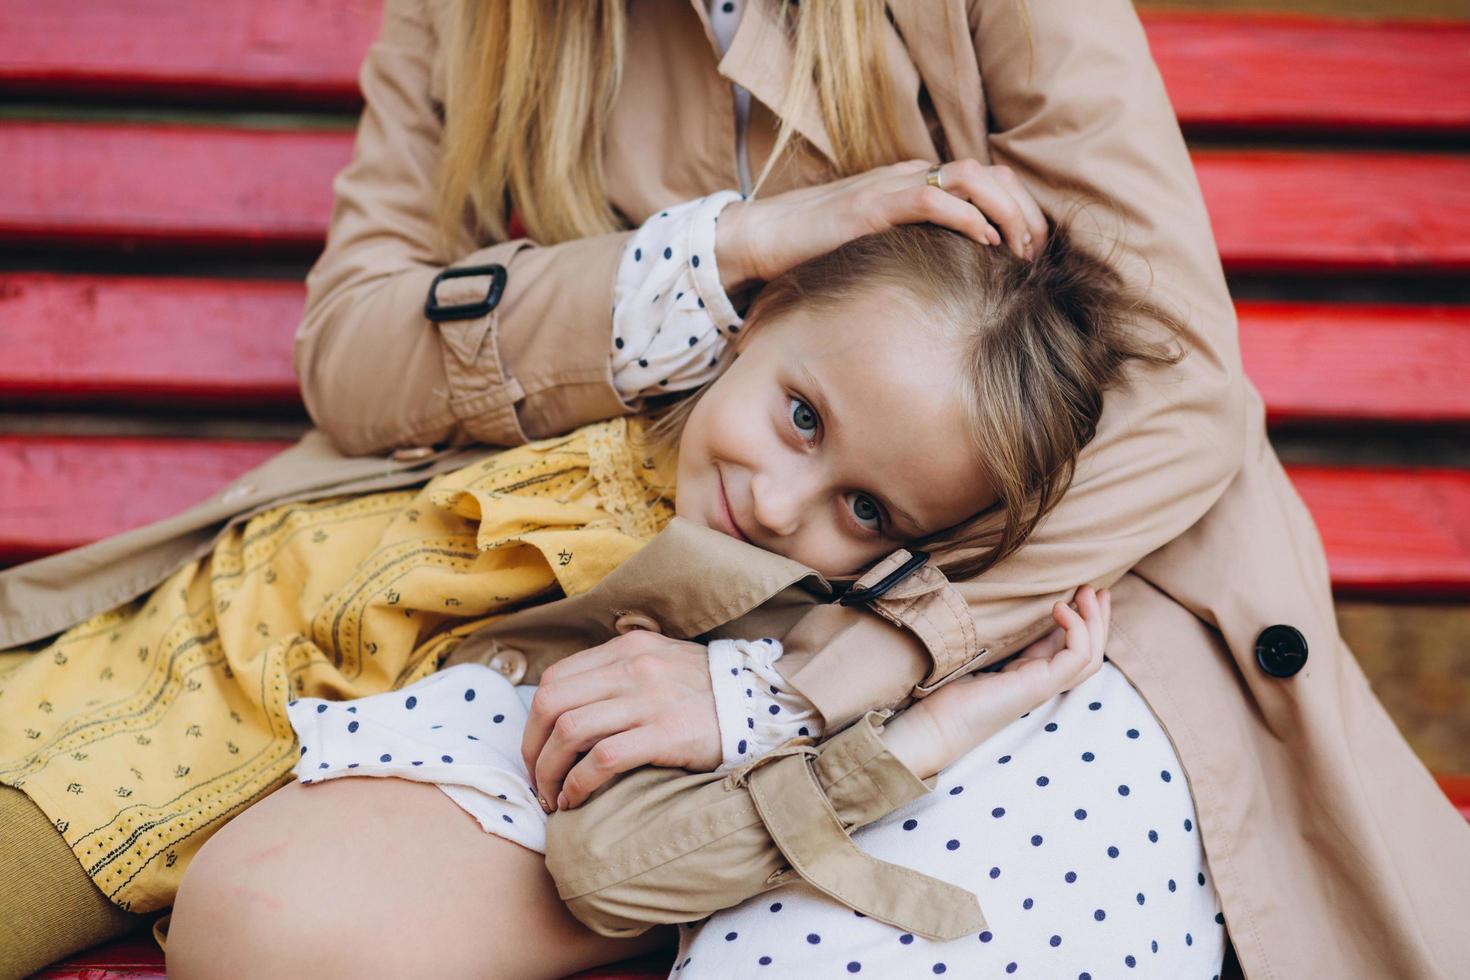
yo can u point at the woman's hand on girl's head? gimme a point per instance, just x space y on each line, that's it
758 240
935 732
638 699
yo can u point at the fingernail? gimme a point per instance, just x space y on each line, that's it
546 807
1027 238
561 801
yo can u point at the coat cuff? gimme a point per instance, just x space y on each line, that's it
810 823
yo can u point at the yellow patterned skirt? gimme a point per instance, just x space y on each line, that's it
144 729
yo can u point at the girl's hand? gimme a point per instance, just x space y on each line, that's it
639 699
933 733
758 240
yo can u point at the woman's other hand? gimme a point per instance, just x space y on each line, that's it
933 733
638 699
760 239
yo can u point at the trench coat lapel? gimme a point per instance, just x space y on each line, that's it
760 59
937 38
931 45
689 579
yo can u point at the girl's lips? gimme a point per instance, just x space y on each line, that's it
727 516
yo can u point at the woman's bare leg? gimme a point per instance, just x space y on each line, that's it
375 877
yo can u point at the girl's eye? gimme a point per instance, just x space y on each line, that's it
804 417
865 509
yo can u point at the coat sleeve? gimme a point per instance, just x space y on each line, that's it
1079 110
665 845
375 372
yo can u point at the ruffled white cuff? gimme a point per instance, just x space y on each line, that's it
671 318
757 710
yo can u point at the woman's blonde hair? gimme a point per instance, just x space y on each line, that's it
1040 342
531 85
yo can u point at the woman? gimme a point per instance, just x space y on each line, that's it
1077 107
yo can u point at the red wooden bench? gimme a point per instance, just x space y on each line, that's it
239 200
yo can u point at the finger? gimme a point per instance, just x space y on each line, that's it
1043 649
1034 218
552 700
944 208
981 187
1078 651
1091 610
609 757
575 732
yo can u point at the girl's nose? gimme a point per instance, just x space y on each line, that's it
777 503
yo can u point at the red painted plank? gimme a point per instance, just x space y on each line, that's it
1338 212
175 342
57 493
76 183
191 186
1223 72
163 341
1354 363
1457 788
1289 74
137 957
1387 532
295 52
1392 532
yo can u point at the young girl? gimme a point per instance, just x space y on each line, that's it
912 388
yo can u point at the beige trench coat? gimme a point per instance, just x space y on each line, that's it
1333 852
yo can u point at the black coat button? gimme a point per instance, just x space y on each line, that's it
1281 650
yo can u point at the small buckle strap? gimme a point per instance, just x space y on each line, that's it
856 596
810 835
466 311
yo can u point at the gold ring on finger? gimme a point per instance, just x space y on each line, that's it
936 176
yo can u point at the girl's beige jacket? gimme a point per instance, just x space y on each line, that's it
1333 851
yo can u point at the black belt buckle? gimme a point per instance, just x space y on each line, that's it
466 311
854 597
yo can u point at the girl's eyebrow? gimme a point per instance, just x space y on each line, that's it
813 390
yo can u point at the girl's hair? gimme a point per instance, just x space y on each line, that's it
1040 341
531 84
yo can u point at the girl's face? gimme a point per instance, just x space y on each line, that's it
834 438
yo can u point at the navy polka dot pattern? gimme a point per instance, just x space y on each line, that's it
459 728
671 317
755 708
1040 836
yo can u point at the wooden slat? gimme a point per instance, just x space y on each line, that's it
174 342
167 341
1387 532
1338 212
284 52
138 957
72 183
1229 72
180 186
1392 532
57 493
1317 362
1290 74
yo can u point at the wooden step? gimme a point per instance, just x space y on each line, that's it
133 185
1388 532
172 342
1224 72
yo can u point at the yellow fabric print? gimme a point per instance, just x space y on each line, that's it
142 730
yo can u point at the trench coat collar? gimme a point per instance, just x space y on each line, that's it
732 578
937 38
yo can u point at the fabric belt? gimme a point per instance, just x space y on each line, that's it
809 833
